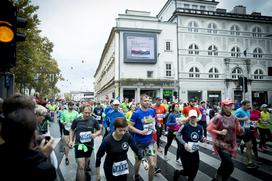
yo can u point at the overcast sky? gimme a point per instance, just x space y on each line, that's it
79 30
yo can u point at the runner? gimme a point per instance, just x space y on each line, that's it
263 127
203 120
67 117
116 146
188 136
85 130
175 119
224 128
142 124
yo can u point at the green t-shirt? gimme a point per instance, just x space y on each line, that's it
68 117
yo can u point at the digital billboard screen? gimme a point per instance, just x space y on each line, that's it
140 47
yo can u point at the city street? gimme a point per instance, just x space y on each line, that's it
208 164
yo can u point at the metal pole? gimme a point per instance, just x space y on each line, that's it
243 87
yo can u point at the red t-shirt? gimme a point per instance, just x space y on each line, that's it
160 111
187 109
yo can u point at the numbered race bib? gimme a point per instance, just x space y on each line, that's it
149 127
67 126
246 124
178 120
160 116
85 137
120 168
253 124
193 146
98 118
266 122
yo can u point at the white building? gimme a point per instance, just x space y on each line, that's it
215 48
139 57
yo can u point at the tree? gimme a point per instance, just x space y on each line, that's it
35 67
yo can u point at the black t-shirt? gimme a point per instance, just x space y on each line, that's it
191 134
116 150
83 129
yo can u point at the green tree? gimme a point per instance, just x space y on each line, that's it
35 67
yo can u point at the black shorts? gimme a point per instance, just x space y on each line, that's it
65 132
81 153
146 149
247 135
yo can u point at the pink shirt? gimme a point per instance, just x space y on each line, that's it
255 115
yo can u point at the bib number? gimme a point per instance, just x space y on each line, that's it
247 124
85 137
98 118
149 127
193 146
120 168
160 116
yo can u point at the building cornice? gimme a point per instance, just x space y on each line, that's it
139 30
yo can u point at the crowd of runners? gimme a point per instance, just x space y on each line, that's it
136 125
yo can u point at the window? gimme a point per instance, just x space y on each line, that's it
202 8
168 46
235 30
194 72
213 73
193 49
194 6
235 52
168 69
256 32
212 50
193 26
149 74
257 53
258 74
187 6
236 73
212 28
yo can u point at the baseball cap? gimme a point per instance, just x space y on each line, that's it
116 102
226 102
264 106
192 113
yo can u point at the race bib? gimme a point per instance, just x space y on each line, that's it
67 126
149 127
85 137
98 118
246 124
160 116
120 168
178 120
266 122
193 146
253 124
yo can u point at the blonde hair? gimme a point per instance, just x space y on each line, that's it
40 110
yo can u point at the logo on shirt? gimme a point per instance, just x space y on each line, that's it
125 146
194 136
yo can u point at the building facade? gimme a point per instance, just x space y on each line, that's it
212 48
140 57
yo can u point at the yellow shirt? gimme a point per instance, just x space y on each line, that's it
265 120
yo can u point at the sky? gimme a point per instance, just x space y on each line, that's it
79 30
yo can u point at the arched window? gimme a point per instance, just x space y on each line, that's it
213 73
258 74
194 72
212 28
235 52
212 50
236 73
235 30
193 49
257 32
193 27
257 53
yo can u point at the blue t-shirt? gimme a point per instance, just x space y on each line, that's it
241 113
143 120
110 118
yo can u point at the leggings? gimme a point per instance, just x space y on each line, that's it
110 177
159 133
226 167
190 163
265 135
170 137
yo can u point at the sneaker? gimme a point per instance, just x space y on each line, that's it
178 162
251 166
165 133
159 149
176 175
137 178
165 158
157 170
66 161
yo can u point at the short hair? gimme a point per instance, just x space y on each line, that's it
23 123
144 95
17 101
120 122
244 102
40 110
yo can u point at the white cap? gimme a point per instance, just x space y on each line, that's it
192 113
116 102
